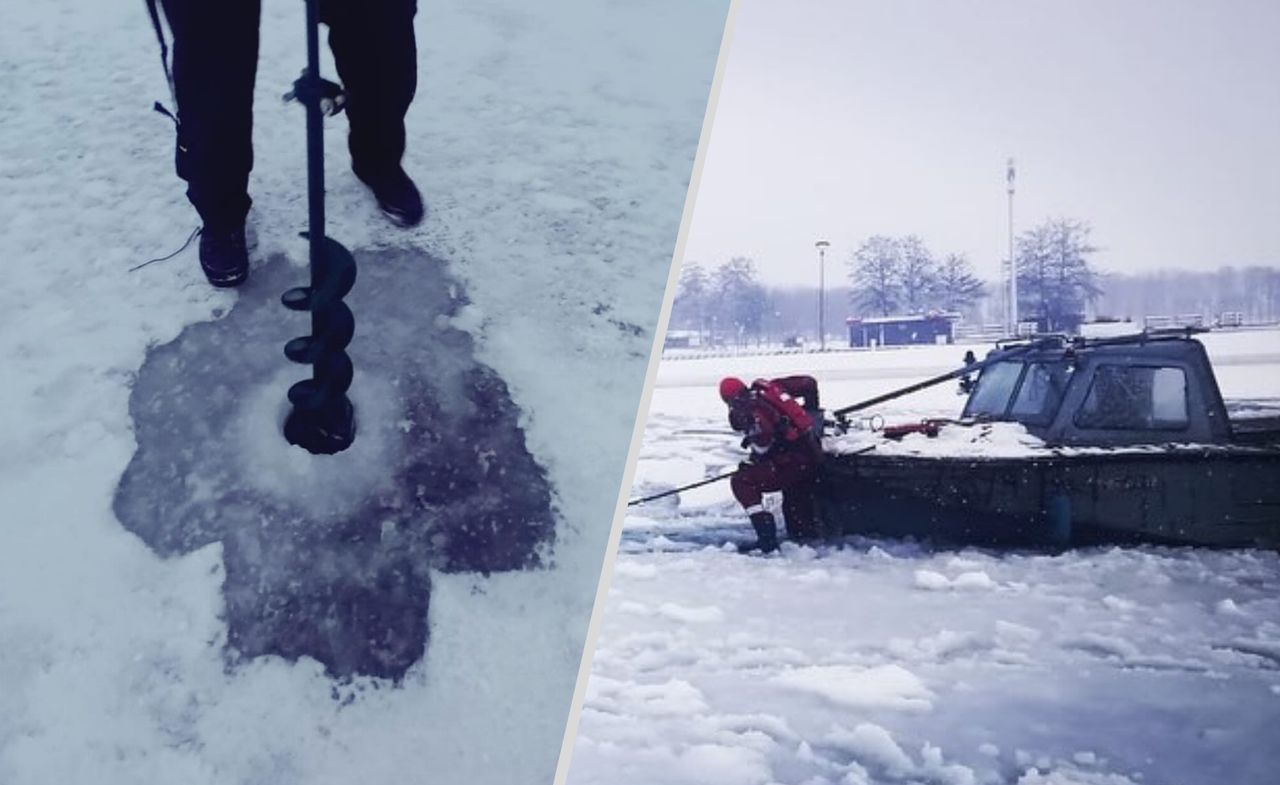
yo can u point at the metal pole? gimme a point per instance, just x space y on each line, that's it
315 156
969 368
822 246
1013 262
322 419
1004 292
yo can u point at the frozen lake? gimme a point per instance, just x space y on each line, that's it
885 662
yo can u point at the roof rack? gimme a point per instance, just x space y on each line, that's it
1038 339
1160 335
1061 340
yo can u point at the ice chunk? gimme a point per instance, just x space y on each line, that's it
631 569
707 614
671 698
1118 604
716 764
973 580
934 769
885 686
936 581
871 744
932 581
1071 776
945 645
1228 607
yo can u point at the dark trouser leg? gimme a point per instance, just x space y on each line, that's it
215 59
374 48
798 508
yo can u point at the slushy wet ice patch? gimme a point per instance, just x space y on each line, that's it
330 556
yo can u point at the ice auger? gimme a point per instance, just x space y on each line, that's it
322 419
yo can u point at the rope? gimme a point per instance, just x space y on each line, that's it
674 491
716 478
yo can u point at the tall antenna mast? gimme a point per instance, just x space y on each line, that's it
1013 262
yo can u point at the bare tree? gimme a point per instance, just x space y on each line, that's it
875 274
1055 280
958 288
1253 291
740 301
917 275
689 308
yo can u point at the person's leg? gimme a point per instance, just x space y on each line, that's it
215 58
799 511
376 54
793 473
746 486
749 485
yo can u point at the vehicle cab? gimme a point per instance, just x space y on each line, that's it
1148 389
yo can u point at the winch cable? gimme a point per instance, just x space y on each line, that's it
709 480
688 487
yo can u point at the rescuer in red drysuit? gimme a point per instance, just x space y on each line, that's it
785 452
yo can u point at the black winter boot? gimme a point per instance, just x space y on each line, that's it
397 196
224 257
766 534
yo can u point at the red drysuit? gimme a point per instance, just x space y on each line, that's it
784 446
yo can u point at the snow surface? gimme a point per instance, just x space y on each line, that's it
553 143
884 661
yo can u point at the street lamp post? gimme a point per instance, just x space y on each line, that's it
822 246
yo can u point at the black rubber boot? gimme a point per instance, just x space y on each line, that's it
766 534
224 256
397 196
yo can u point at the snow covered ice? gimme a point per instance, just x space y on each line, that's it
881 661
553 145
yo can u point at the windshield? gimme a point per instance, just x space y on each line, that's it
1040 393
991 396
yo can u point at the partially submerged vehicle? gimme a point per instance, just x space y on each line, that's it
1070 441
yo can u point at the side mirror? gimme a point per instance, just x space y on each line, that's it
966 382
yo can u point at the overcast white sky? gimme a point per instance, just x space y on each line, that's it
1158 121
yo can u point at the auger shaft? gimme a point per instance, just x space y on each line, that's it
322 419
